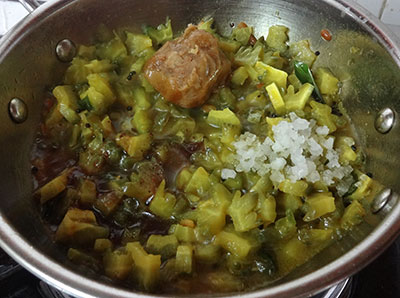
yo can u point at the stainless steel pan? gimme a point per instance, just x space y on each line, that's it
371 82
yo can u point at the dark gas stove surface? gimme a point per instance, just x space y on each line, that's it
379 279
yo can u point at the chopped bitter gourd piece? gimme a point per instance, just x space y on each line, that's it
183 178
87 192
318 204
102 244
107 126
207 253
101 83
242 34
235 244
248 56
117 264
163 202
344 145
353 215
364 185
297 188
53 188
301 51
81 258
239 76
323 114
276 98
184 259
277 38
137 43
113 50
228 45
135 146
267 208
108 202
221 195
183 233
289 202
88 52
272 75
98 66
79 227
286 226
199 183
141 99
326 81
67 102
162 245
142 121
263 185
297 101
147 266
77 72
224 117
243 213
162 34
315 237
211 217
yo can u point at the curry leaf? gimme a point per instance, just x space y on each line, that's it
304 74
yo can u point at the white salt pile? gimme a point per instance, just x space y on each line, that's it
299 150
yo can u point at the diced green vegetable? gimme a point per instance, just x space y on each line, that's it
363 185
117 264
199 183
297 101
183 233
67 102
87 192
272 75
235 244
102 244
146 266
243 213
135 146
207 253
286 226
353 215
318 204
276 98
162 245
239 76
137 43
301 51
162 34
242 34
277 38
267 209
323 114
184 259
79 227
163 202
53 188
297 188
248 55
326 81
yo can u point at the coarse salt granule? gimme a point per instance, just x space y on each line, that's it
299 150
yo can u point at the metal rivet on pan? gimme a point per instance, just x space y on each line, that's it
18 110
65 50
381 200
384 120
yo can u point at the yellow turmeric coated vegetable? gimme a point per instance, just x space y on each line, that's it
233 194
